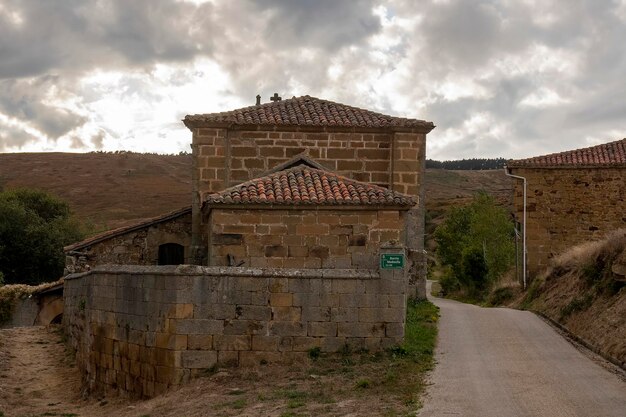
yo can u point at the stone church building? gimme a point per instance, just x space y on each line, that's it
295 183
571 197
305 231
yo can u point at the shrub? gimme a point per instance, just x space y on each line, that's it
476 242
34 227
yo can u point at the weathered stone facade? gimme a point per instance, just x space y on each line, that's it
134 245
227 157
393 157
303 238
568 206
138 330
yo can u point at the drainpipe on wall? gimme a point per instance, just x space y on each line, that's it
507 173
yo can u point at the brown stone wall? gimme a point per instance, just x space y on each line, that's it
136 247
302 238
139 330
566 207
228 157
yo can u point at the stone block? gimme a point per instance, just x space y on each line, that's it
304 344
287 328
296 251
276 251
314 313
181 311
171 341
240 327
332 344
345 286
228 358
285 344
394 329
200 342
165 357
343 314
265 343
255 312
324 328
279 285
199 326
306 299
196 359
281 299
232 342
328 299
286 313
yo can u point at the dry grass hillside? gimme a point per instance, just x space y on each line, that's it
106 190
111 190
585 291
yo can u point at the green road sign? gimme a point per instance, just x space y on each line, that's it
391 261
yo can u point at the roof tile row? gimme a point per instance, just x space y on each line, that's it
607 154
303 185
306 111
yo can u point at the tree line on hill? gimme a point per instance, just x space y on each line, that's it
468 164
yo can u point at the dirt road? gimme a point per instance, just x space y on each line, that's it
36 375
501 362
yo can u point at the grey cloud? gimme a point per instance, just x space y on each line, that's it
326 24
98 139
25 100
12 137
75 35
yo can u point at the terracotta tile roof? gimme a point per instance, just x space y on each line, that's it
126 229
608 154
305 111
306 186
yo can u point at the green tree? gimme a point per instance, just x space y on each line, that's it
476 242
34 227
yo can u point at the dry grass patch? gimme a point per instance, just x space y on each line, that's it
585 290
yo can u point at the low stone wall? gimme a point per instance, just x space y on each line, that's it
140 329
23 313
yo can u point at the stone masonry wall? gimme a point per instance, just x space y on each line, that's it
136 247
303 238
138 330
566 207
227 157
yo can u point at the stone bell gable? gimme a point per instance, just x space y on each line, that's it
572 197
235 146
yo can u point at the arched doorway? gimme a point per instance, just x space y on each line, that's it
171 254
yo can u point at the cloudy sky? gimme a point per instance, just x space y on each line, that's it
510 78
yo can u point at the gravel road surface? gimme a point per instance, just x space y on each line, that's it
501 362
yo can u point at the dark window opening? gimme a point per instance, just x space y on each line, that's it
171 254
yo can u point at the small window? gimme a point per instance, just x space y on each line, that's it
171 254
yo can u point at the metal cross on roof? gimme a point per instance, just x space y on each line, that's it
276 97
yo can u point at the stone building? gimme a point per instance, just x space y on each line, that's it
305 232
162 240
304 217
572 197
229 148
236 146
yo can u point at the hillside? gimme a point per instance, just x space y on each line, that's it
106 190
585 291
111 190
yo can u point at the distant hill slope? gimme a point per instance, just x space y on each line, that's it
108 190
111 190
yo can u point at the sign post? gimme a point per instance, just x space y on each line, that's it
391 260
